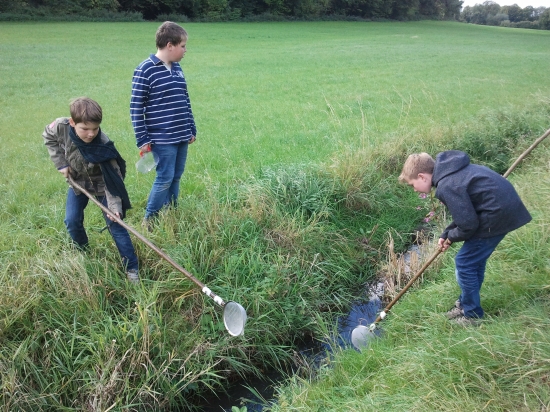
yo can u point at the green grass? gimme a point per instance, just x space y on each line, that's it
278 92
303 128
424 363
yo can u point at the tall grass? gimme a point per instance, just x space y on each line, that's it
423 362
288 200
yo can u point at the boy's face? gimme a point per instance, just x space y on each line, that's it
177 51
422 184
85 131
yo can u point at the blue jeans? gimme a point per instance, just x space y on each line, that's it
470 263
74 221
170 167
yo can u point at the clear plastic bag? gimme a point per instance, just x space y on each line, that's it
147 162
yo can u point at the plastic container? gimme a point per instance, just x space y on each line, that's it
147 162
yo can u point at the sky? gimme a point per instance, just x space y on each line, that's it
520 3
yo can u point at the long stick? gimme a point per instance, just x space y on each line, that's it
382 314
519 159
163 255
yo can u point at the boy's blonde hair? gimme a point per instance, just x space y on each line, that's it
416 163
86 110
170 32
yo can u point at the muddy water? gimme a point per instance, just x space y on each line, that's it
361 313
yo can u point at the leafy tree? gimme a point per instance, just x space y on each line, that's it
544 19
452 9
497 19
303 8
515 13
9 5
478 15
440 9
60 6
111 5
529 13
404 9
538 11
491 7
248 7
277 7
362 8
150 9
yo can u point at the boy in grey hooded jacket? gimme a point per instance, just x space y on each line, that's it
484 207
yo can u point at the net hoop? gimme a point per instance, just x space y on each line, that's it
361 335
234 318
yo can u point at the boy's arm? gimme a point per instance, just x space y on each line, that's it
465 220
445 233
52 138
193 126
114 203
138 100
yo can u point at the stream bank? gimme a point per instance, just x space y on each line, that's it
313 353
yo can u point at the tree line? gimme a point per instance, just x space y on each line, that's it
492 14
486 13
223 10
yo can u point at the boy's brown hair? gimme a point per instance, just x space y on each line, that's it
416 163
86 110
170 32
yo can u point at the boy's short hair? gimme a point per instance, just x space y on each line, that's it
169 32
416 163
86 110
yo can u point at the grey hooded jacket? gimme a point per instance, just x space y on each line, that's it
482 203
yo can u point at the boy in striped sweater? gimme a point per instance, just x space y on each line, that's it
161 115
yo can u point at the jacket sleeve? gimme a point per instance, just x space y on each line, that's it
52 140
465 219
193 126
114 203
138 100
445 233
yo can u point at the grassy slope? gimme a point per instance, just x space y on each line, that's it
424 363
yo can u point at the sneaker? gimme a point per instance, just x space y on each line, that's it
464 321
454 313
147 224
133 276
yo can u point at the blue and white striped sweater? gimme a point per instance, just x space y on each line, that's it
160 108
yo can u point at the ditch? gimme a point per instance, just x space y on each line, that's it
313 353
363 312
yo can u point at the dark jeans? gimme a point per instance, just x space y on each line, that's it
74 221
170 167
470 263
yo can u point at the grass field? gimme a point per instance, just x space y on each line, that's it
302 128
280 92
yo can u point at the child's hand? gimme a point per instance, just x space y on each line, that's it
144 149
111 218
193 138
444 244
65 172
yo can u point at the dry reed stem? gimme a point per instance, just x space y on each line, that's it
401 267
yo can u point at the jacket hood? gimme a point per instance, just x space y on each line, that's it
447 163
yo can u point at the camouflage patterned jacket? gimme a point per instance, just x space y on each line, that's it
64 153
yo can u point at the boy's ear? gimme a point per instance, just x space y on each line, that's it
71 122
